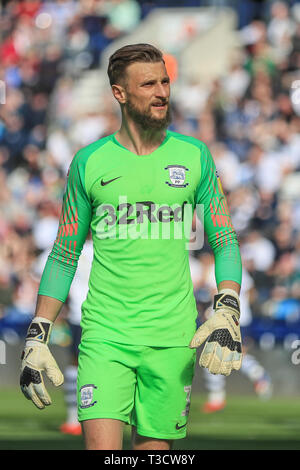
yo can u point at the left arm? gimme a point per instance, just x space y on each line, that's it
221 332
230 285
212 210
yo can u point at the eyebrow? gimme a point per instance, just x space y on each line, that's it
153 80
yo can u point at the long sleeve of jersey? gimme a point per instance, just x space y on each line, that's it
74 224
217 222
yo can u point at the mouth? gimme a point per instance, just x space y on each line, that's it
159 105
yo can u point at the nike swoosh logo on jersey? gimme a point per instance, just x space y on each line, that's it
179 427
104 183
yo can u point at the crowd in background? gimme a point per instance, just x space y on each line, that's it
249 118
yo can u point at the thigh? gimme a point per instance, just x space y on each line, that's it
103 434
149 443
106 382
163 391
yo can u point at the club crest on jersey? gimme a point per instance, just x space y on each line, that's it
177 175
86 396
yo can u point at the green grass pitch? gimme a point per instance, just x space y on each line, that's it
245 424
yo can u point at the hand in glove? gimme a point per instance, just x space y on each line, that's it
37 358
223 350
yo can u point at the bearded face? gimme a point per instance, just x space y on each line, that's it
145 93
147 118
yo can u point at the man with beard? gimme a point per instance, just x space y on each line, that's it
137 191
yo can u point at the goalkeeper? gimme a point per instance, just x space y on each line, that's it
139 339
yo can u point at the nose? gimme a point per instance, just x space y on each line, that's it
162 90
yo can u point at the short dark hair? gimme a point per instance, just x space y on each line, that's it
120 59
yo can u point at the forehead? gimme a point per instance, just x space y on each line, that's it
142 71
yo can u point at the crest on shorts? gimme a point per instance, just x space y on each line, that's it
177 175
87 396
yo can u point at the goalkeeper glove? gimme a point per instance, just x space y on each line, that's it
36 358
223 350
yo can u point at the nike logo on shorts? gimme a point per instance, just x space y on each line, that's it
179 427
104 183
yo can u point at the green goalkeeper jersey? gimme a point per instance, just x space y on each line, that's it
139 209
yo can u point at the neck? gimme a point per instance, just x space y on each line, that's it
138 140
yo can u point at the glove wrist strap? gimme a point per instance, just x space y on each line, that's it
39 330
229 299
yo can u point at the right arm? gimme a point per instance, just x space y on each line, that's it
74 224
48 307
58 274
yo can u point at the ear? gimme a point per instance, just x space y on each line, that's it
119 93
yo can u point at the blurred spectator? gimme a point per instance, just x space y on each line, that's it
123 16
281 28
258 251
228 165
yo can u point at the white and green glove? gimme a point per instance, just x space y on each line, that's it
222 351
37 358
